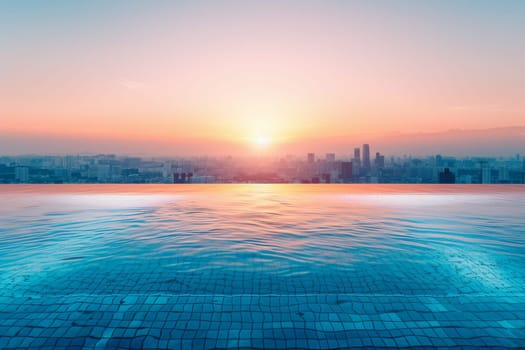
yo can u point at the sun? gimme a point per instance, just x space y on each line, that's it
262 141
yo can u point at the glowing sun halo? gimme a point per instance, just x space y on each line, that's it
262 141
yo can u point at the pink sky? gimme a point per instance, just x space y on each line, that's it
211 77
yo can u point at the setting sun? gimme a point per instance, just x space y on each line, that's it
262 141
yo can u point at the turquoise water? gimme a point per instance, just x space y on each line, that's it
262 266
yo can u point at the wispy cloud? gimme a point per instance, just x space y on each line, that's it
492 107
131 84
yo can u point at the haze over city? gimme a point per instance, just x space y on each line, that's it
262 77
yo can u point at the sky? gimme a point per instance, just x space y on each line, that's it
242 77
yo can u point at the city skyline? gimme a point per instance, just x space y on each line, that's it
362 167
246 78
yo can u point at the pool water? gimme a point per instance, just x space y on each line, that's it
262 266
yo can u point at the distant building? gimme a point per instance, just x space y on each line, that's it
103 172
357 154
310 157
346 172
503 175
486 175
22 174
330 157
439 160
379 161
447 177
366 158
523 171
182 178
465 179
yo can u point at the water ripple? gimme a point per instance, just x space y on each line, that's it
270 232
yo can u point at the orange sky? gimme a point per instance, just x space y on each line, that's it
216 76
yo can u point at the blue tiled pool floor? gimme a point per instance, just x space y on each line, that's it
262 267
167 321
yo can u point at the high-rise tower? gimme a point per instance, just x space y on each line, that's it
366 158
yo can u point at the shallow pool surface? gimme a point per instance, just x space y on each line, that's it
262 266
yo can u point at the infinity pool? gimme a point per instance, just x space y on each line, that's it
261 266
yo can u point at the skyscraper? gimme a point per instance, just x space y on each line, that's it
356 162
366 158
357 154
